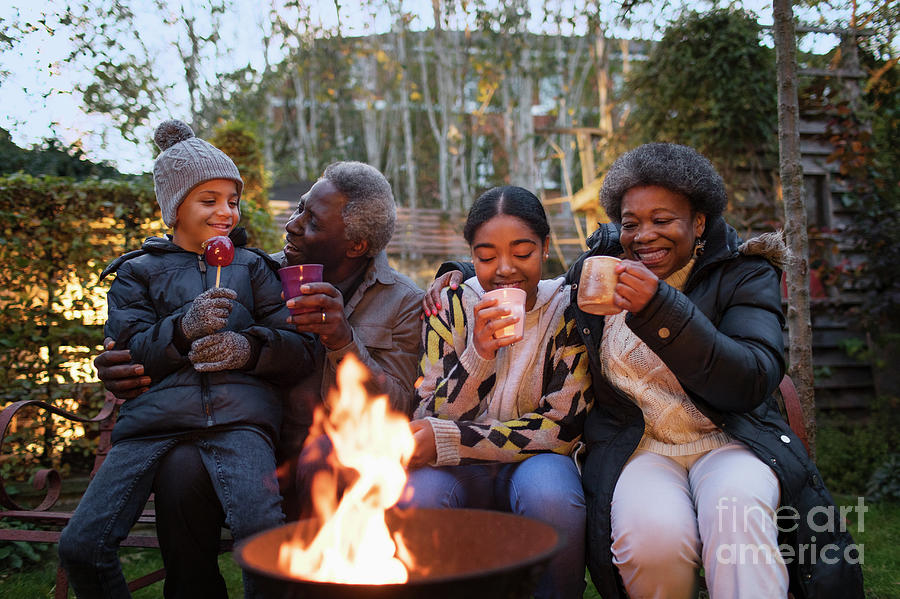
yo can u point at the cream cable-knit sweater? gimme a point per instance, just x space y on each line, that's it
673 426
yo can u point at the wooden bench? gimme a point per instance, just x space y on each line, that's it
50 482
792 411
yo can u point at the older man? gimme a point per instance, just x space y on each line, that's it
363 307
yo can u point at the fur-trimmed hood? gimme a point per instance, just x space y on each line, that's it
770 246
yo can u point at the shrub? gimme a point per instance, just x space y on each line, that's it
709 83
56 235
239 142
848 453
885 482
20 555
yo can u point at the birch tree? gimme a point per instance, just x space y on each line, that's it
199 36
400 29
517 92
372 105
314 73
438 116
571 69
507 70
129 79
301 126
369 85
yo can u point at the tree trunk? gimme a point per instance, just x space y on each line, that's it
443 64
370 112
409 161
509 130
190 60
438 129
312 139
269 129
462 177
517 97
520 96
626 71
798 313
300 128
339 140
601 62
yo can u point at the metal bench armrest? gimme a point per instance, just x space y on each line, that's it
47 479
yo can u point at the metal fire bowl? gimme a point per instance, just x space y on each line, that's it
459 553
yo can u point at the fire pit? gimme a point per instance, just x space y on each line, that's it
457 553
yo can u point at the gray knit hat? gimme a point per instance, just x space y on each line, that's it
185 162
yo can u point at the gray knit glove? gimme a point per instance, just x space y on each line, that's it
208 313
220 351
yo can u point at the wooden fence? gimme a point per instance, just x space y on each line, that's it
433 233
428 233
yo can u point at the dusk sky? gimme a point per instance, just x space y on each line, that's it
36 83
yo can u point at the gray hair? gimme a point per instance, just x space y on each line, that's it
369 213
677 168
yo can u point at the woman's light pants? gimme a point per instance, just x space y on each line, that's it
672 515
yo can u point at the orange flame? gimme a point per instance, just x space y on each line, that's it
354 544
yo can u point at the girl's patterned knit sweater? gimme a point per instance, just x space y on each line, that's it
531 398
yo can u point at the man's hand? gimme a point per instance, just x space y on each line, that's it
321 308
431 303
426 451
119 374
226 350
208 313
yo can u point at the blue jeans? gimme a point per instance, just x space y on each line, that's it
546 487
241 466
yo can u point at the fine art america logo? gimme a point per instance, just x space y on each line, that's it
753 526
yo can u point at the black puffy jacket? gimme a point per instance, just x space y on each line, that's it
722 337
154 287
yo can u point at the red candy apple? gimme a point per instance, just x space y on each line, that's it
219 251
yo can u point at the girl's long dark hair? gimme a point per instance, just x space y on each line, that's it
511 200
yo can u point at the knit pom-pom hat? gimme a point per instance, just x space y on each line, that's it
185 162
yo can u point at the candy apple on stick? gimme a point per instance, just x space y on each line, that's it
219 252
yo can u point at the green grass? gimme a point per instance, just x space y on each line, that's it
881 565
881 553
39 582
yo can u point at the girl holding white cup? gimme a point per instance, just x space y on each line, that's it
500 415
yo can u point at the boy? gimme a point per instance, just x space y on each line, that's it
214 355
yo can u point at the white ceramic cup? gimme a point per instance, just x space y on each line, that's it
513 299
597 285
